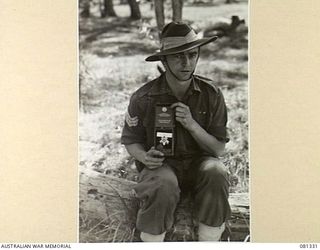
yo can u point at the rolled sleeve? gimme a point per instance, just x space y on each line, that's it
218 119
133 130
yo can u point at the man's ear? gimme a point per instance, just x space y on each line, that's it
198 54
164 62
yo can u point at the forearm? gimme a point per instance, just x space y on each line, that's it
137 151
207 142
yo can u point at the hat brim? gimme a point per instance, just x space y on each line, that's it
183 48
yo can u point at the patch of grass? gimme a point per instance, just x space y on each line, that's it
105 230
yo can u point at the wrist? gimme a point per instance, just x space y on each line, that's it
142 157
194 127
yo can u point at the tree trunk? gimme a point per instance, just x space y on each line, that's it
103 197
108 9
135 10
177 10
85 6
159 10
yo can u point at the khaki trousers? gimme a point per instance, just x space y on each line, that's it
159 191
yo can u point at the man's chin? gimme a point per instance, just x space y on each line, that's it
185 76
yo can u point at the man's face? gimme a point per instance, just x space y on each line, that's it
182 65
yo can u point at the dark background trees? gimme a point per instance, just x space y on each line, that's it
159 7
135 10
108 9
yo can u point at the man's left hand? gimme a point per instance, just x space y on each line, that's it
184 116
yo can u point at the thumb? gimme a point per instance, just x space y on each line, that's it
155 152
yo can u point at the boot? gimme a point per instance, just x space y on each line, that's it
207 233
151 237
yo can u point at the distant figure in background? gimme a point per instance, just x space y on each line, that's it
221 29
200 115
231 1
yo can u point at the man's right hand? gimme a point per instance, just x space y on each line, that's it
153 158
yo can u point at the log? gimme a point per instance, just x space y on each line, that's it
108 211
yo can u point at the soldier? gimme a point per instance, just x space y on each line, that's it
200 137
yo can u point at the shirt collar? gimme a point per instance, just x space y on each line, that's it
162 87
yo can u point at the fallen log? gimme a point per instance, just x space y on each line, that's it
108 212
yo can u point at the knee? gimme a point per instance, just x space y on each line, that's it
167 183
213 168
213 175
164 182
158 182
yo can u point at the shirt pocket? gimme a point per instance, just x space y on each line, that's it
201 117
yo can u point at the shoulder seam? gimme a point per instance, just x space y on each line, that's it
206 81
143 90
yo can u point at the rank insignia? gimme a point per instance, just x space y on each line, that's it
131 121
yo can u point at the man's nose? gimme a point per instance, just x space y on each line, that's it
185 60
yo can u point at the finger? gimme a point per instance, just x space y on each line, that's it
155 152
174 105
152 164
178 104
153 167
155 163
154 159
181 115
180 109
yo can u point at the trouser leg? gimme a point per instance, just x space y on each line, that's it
211 190
158 192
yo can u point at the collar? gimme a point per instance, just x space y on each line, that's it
161 87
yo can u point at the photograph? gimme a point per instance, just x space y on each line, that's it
163 121
188 122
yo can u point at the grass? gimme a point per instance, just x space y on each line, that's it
112 67
105 230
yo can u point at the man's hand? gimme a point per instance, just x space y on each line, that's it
153 159
184 116
206 141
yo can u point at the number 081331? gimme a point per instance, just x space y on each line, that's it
309 245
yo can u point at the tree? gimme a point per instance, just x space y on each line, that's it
159 11
85 6
108 9
135 10
177 10
231 1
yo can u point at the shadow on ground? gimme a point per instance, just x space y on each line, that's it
115 37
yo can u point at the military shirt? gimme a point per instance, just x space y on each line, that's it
205 102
